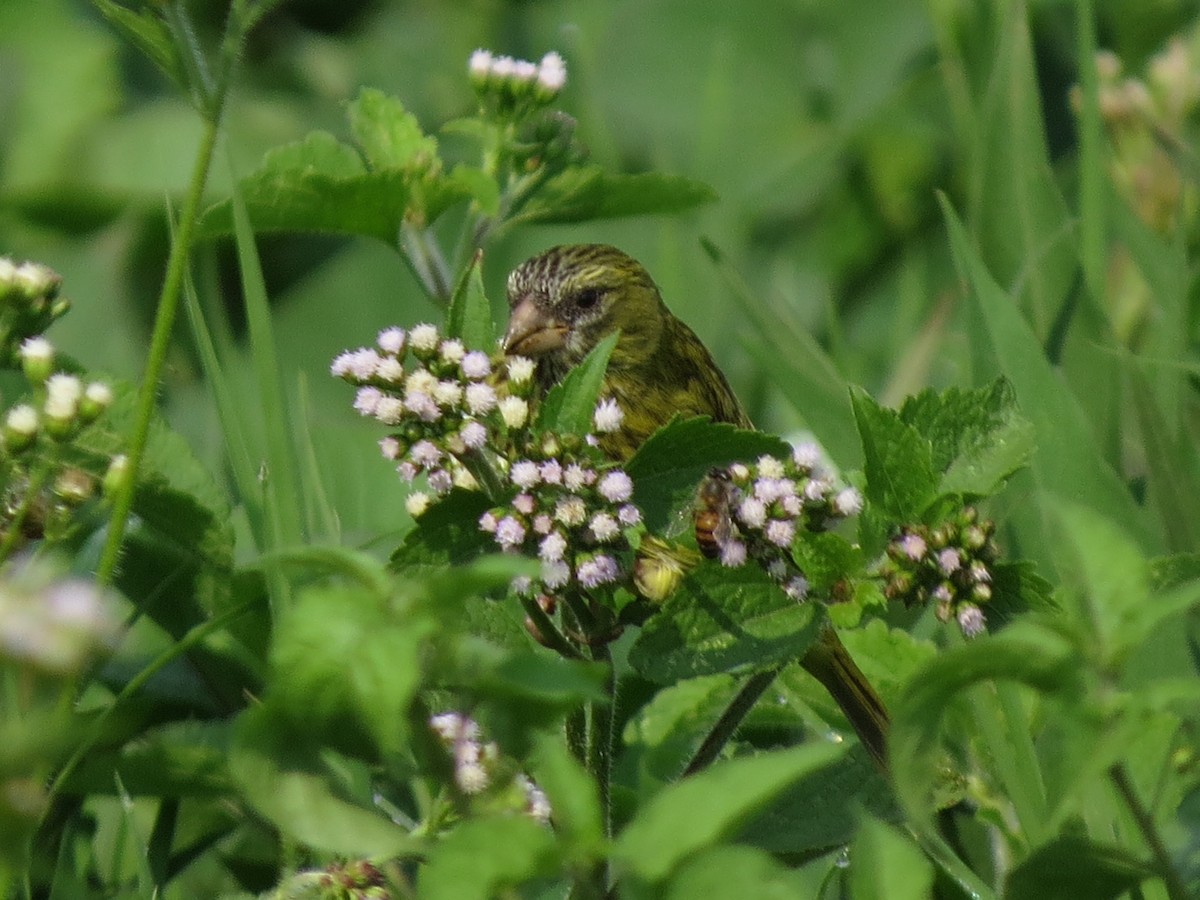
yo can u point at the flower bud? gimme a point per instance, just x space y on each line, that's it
117 475
37 282
96 399
551 77
37 359
20 428
479 69
74 487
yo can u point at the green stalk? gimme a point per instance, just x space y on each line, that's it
135 684
1172 880
1092 249
600 756
160 342
725 727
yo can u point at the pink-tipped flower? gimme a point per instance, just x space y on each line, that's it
616 487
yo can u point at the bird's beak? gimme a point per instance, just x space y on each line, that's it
533 331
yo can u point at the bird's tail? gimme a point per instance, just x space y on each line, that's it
830 663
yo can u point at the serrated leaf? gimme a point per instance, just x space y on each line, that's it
320 184
390 137
1072 866
723 620
825 558
285 779
569 405
977 437
588 192
668 466
470 315
898 460
180 542
485 858
445 535
314 641
699 811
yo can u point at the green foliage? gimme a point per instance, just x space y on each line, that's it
723 620
288 682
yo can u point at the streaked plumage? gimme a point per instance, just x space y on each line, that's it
566 300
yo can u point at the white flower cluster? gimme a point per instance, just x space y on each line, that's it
65 404
761 507
29 302
53 626
571 508
441 400
478 762
949 565
570 513
492 74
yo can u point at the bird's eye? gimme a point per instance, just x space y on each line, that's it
588 298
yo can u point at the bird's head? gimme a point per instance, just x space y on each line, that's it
566 300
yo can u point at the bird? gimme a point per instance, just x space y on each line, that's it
566 300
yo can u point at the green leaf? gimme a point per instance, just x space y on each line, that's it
487 858
723 620
181 759
825 558
1071 866
390 137
841 791
978 437
735 873
886 865
898 460
1069 461
346 665
573 796
587 192
288 782
320 184
700 811
1023 652
446 534
478 185
569 405
666 732
1017 211
470 315
146 31
668 466
1109 574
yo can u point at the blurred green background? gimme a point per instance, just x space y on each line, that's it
826 129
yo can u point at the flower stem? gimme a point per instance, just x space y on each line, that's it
723 729
160 342
1176 889
600 756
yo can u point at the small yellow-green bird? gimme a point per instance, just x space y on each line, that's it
563 303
